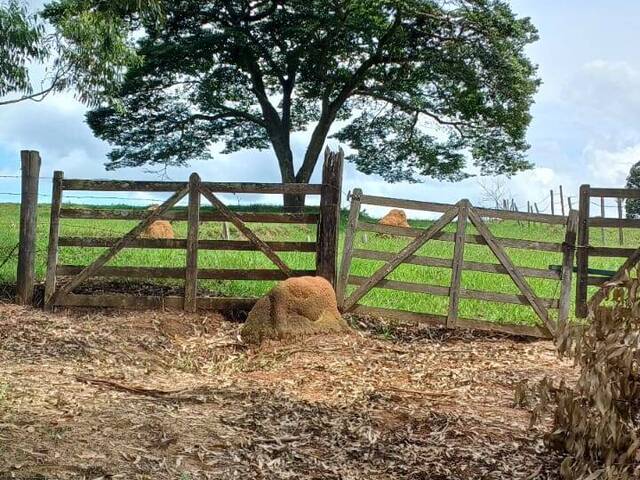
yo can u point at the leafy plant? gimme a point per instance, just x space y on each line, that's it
597 421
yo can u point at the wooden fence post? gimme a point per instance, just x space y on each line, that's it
568 253
54 232
551 202
329 224
349 237
456 264
583 251
602 214
620 234
561 202
28 220
193 218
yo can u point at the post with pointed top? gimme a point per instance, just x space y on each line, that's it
26 272
329 223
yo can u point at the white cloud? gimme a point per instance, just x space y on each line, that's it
611 167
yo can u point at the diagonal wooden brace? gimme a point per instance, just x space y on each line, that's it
92 268
239 224
405 253
512 270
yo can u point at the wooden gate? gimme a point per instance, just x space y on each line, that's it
465 213
325 246
587 277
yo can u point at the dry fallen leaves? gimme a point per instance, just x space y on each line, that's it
176 396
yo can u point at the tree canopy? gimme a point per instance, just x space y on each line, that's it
417 87
87 51
21 41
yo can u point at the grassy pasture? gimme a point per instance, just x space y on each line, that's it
9 220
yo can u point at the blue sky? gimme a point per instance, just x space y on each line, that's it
585 129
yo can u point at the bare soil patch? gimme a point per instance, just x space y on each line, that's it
166 395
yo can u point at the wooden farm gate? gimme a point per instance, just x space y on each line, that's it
464 212
585 276
325 246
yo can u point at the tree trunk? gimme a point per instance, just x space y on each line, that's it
293 203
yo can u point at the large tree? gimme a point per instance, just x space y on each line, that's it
419 87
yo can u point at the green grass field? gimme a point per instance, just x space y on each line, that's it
9 220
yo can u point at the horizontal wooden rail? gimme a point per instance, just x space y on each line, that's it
440 320
447 263
620 252
147 186
615 192
444 291
614 222
596 281
443 207
181 244
181 215
134 302
179 272
450 237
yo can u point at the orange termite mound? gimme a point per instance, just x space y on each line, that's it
296 307
158 229
395 218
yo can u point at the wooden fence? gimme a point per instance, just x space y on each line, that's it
325 245
585 276
464 212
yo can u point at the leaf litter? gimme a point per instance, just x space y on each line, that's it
170 395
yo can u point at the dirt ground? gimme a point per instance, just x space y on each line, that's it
167 395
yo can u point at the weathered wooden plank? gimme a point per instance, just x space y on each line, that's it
191 271
125 272
25 281
329 225
442 207
253 274
182 215
131 302
153 215
621 252
615 192
597 281
233 218
179 272
406 252
347 251
567 267
447 263
181 244
439 321
445 292
515 275
614 222
582 257
54 232
450 237
519 330
456 264
218 187
400 315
